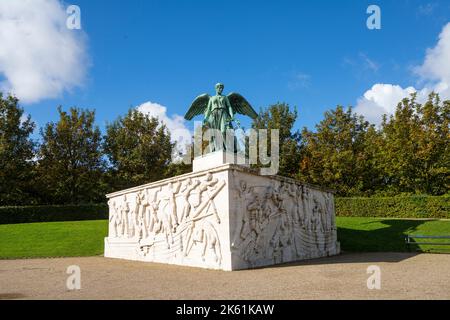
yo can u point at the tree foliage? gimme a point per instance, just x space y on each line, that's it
71 164
16 153
409 153
415 149
280 116
336 155
138 148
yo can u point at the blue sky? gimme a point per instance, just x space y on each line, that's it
310 54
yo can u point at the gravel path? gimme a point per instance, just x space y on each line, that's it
403 276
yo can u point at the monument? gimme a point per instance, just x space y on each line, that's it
224 215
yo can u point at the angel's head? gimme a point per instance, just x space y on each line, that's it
219 88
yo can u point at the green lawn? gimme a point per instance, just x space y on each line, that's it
381 234
85 238
53 239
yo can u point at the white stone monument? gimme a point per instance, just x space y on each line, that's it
222 216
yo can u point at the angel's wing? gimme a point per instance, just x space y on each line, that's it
240 105
198 106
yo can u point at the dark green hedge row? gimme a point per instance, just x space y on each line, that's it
26 214
389 207
395 207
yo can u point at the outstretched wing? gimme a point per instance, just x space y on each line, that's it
198 106
240 105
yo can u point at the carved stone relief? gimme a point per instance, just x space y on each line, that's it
229 218
170 220
280 221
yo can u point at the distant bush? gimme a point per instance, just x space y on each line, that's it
395 207
389 207
26 214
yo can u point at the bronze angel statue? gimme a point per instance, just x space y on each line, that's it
219 112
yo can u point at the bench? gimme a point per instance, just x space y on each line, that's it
409 240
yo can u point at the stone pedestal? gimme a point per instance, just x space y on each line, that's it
224 217
218 158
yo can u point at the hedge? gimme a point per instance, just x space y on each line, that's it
26 214
389 207
395 207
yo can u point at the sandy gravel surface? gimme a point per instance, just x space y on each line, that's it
403 276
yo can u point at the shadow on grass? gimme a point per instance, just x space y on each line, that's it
388 238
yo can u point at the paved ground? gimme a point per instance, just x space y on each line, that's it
403 276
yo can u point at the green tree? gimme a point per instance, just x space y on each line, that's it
16 154
71 165
416 148
336 155
138 148
279 116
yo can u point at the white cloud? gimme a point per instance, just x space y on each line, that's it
436 67
39 56
383 99
175 123
434 75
